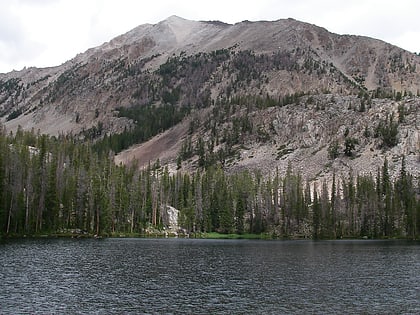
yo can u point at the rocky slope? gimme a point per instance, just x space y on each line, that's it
251 67
301 134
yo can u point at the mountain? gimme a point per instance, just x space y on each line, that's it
250 95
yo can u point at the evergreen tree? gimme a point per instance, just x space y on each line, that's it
405 195
350 204
3 150
386 200
58 185
316 215
51 196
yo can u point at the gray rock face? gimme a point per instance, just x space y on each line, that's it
288 57
85 91
170 217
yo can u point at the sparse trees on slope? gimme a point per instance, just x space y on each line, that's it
60 185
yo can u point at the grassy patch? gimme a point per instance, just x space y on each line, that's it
232 236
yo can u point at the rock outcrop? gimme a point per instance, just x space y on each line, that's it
290 89
170 218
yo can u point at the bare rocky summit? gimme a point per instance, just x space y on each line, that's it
270 93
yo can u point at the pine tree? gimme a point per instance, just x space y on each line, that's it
3 152
386 200
316 215
405 195
51 196
333 203
350 204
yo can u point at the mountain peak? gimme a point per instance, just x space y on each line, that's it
175 19
201 64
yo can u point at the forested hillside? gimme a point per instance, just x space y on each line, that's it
55 185
280 128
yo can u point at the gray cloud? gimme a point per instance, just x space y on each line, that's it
15 46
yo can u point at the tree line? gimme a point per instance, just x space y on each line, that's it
56 184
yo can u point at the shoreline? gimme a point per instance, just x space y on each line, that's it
207 235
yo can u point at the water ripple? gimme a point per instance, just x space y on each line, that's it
147 276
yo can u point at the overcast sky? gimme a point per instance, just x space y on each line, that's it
48 32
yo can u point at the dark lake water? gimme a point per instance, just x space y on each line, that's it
187 276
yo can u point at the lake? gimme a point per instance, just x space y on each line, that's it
193 276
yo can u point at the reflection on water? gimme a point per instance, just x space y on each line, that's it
186 276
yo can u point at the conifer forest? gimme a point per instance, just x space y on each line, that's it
49 185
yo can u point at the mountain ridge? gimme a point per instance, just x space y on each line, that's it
207 66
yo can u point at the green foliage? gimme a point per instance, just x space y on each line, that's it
58 186
14 114
149 121
229 138
262 134
171 97
382 93
333 150
350 145
387 130
366 132
346 132
216 235
401 113
67 82
10 85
